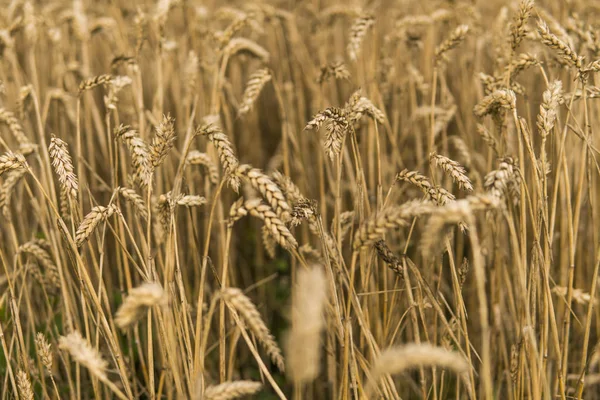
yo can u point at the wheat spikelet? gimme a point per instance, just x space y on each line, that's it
462 150
365 106
44 351
267 188
520 63
387 255
462 272
503 179
25 391
396 360
289 188
91 83
244 306
274 224
43 258
436 194
494 101
564 50
8 118
138 302
237 211
269 242
515 360
136 200
309 298
255 84
11 161
518 28
336 126
63 166
140 153
579 296
190 72
336 70
115 86
195 157
238 45
10 181
487 138
231 390
552 98
455 38
229 161
83 353
91 221
191 200
390 218
358 30
453 169
303 210
236 25
163 141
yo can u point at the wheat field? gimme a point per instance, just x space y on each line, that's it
299 200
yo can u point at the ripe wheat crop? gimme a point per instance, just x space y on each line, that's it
299 200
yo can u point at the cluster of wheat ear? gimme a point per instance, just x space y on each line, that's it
299 200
